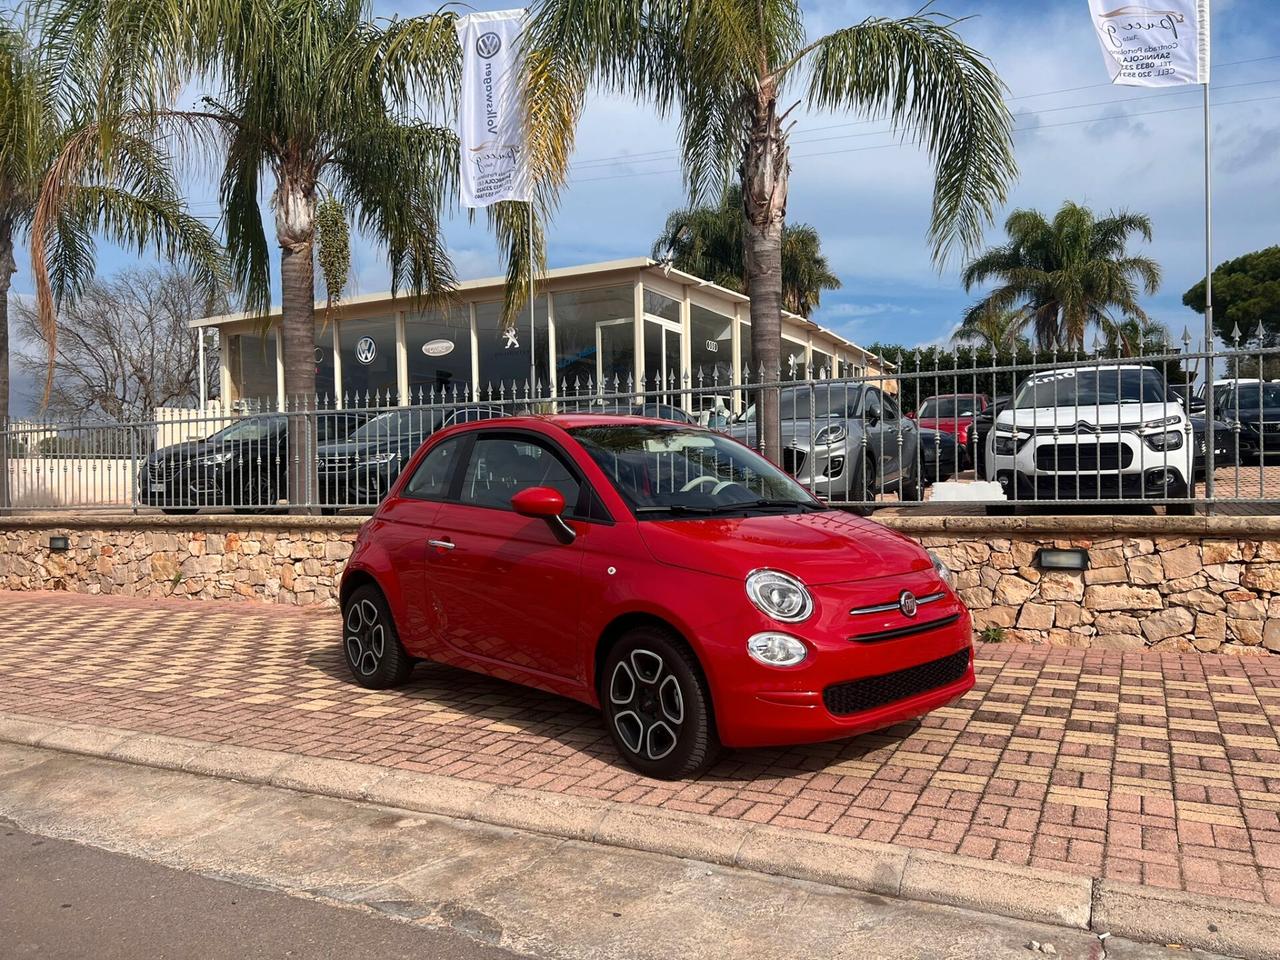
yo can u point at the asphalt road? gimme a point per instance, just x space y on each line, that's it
65 901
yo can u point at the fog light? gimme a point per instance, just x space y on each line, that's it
776 650
835 467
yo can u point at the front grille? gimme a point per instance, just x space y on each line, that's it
856 696
793 460
1077 458
158 472
337 464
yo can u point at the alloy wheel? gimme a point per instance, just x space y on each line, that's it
648 705
366 638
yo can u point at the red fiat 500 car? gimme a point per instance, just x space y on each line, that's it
660 571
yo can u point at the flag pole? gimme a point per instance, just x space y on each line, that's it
1208 302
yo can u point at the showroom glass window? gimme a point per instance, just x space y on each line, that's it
794 366
711 346
821 364
504 358
368 361
326 390
438 345
747 367
595 338
253 368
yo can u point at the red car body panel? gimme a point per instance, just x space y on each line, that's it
512 601
959 427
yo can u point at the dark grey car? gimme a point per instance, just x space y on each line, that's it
844 441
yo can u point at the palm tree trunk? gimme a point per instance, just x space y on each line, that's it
764 198
295 230
7 270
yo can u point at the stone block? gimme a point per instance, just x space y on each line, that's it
1036 616
1059 585
1121 598
1162 624
1182 562
1014 591
1248 632
1146 569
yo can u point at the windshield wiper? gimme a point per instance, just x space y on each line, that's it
763 504
675 508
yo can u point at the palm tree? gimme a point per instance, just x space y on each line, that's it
994 330
346 120
709 241
1132 337
1068 274
59 188
729 68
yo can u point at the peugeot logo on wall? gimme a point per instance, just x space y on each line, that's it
907 603
366 350
488 45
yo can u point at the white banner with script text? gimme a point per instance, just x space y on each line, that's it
491 120
1164 43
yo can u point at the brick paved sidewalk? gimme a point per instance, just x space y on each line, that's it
1161 769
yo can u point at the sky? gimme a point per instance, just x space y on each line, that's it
1078 138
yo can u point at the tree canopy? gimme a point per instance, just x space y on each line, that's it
1246 292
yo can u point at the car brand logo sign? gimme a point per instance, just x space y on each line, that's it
366 350
907 603
488 45
437 348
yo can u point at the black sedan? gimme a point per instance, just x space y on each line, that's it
358 470
1253 408
941 457
241 466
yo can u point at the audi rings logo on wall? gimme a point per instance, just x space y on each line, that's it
366 350
488 45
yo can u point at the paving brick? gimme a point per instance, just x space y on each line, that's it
1146 767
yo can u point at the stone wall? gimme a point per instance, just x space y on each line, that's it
1183 583
276 559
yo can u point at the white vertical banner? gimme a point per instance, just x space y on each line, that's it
1164 43
491 117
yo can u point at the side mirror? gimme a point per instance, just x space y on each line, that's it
873 419
1196 405
911 415
547 504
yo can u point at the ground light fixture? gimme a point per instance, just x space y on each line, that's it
1051 558
59 544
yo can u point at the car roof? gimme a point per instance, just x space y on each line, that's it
571 421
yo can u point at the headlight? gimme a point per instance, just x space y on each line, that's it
944 572
215 459
779 595
1165 441
833 434
1008 440
377 459
776 649
1161 424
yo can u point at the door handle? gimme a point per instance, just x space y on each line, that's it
442 544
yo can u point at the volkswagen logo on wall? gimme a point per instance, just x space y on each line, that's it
907 603
366 349
488 45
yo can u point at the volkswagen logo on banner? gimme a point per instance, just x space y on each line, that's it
366 349
907 603
488 45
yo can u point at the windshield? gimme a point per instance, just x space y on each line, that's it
670 471
945 407
1247 396
394 424
839 400
251 428
1088 388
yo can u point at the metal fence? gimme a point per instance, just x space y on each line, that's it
1044 431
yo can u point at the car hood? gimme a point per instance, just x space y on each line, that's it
178 451
828 547
794 431
1107 415
946 424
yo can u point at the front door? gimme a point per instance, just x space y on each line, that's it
662 370
615 357
503 590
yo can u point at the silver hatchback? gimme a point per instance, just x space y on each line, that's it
844 441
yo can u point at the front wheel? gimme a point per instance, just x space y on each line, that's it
911 488
370 642
656 705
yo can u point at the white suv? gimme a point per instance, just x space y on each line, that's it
1092 433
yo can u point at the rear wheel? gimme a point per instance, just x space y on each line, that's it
370 642
656 705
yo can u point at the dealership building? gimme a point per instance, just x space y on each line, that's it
624 322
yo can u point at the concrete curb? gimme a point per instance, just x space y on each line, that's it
1021 893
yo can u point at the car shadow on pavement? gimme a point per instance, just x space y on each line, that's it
564 731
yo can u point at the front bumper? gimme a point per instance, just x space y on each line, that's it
823 469
1088 466
853 682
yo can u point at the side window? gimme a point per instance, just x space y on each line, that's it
890 408
871 408
431 480
502 466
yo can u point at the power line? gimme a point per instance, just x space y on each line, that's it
672 154
898 143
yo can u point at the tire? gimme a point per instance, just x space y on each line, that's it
862 489
370 643
656 705
911 490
